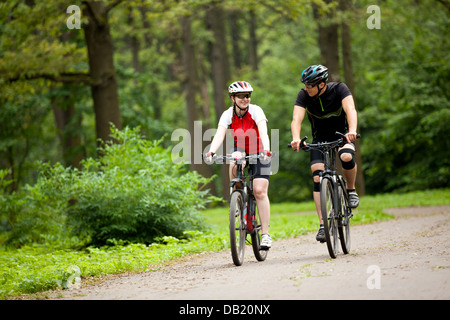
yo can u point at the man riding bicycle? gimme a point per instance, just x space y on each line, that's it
249 126
330 108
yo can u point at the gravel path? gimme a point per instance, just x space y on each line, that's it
404 258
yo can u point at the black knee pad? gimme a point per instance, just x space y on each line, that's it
316 185
349 164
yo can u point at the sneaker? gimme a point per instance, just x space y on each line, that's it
353 199
321 234
266 242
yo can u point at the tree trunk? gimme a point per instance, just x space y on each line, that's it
349 81
253 41
192 88
101 65
220 72
236 39
328 42
67 124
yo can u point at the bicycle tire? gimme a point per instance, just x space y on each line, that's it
237 228
260 255
328 209
344 218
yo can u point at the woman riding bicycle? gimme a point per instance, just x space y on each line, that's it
249 129
330 108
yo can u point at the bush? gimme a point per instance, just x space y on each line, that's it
132 192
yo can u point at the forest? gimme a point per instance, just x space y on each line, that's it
93 91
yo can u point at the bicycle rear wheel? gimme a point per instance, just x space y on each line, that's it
260 255
328 209
344 219
237 228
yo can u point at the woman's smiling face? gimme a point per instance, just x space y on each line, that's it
242 100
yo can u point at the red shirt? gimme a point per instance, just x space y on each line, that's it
245 130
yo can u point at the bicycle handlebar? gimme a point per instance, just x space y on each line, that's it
236 159
323 145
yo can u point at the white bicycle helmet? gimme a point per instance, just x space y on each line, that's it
238 87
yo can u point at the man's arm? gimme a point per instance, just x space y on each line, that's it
348 104
296 126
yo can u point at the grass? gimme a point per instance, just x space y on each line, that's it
33 269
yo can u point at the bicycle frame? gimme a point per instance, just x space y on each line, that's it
239 183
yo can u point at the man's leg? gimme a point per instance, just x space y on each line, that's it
316 169
349 169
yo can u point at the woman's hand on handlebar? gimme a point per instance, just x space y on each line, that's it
209 157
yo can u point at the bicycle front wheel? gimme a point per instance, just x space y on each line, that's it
237 228
328 210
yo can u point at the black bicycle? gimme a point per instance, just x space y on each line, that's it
336 213
243 219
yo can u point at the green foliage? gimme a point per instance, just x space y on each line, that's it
34 269
404 98
133 192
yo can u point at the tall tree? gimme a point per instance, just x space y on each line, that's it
220 68
345 7
253 40
68 123
192 90
328 39
101 67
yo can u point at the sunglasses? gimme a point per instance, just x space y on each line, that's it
243 95
310 86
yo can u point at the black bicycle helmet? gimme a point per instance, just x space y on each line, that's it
314 74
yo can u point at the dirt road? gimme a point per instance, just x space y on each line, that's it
405 258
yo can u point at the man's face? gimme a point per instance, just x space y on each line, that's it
313 89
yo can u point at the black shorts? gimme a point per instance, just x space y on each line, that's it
260 169
316 156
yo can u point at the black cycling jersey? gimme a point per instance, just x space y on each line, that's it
325 113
